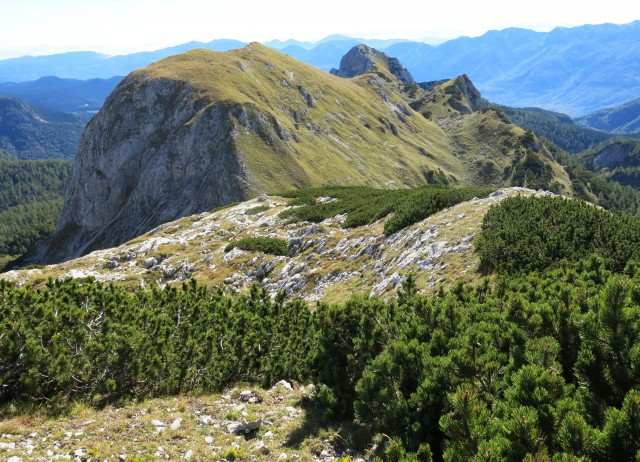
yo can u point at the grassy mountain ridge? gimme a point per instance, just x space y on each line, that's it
309 120
332 251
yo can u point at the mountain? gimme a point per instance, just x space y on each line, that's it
362 59
623 119
29 132
575 70
204 129
83 97
373 43
572 70
617 160
558 128
86 65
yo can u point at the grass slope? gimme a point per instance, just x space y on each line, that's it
318 129
301 127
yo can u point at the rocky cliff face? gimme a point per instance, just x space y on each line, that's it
362 59
153 154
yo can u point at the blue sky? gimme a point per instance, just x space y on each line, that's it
123 26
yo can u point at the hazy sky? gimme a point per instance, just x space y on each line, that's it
123 26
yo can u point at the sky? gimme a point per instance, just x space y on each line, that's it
40 27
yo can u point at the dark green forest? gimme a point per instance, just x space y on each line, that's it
558 128
30 201
28 132
539 361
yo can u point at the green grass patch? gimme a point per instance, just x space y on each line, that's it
256 210
364 205
270 245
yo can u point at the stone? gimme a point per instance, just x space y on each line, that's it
246 427
262 448
188 455
150 262
284 384
362 58
208 439
205 420
176 424
282 456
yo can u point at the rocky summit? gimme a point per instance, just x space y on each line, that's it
204 129
362 59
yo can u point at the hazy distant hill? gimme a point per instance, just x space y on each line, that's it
571 70
89 65
619 119
65 95
29 132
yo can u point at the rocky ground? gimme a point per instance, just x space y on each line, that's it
325 261
244 424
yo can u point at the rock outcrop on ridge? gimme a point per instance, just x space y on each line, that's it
362 59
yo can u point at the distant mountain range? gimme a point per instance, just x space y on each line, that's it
571 70
84 97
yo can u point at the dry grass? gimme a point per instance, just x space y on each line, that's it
204 429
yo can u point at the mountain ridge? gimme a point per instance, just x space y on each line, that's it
203 129
324 261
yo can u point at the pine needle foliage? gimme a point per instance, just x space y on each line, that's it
364 205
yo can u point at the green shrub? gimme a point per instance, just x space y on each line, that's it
364 205
528 234
257 209
270 245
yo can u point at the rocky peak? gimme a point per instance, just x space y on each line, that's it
362 59
470 92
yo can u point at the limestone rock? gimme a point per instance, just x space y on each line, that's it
362 59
